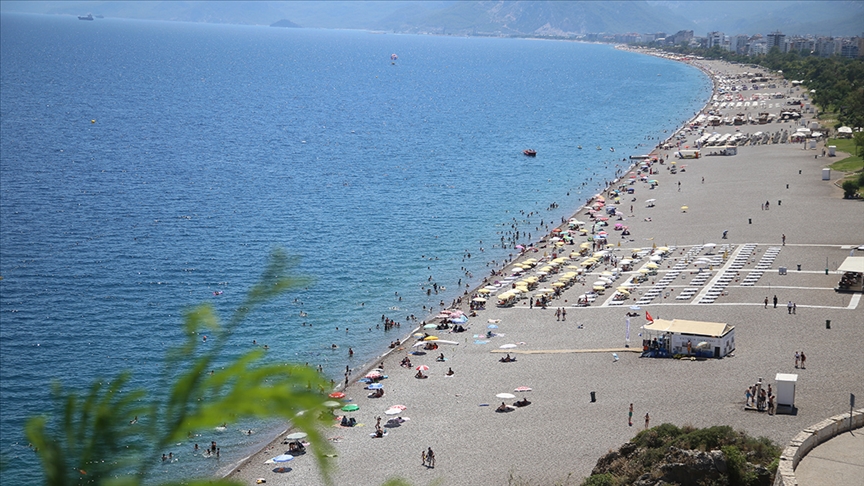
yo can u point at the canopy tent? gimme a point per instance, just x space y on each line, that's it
852 264
697 328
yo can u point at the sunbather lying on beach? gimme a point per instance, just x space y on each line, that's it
522 403
507 359
502 408
419 375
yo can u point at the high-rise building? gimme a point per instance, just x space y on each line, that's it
715 39
777 39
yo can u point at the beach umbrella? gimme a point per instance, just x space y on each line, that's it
429 326
418 335
623 291
296 436
656 258
599 287
283 458
599 283
635 307
393 411
643 270
375 386
422 368
709 245
332 404
430 338
351 407
479 299
507 346
522 389
492 326
652 266
337 395
684 208
505 396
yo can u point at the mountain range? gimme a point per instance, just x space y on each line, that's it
503 17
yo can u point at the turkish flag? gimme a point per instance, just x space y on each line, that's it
648 316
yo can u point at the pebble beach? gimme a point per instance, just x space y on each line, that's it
561 434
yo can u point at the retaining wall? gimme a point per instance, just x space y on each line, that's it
809 438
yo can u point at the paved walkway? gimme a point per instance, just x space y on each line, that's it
837 461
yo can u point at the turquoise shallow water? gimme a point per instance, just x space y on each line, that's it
214 144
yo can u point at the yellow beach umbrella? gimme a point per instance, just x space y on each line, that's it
643 270
652 266
558 285
430 338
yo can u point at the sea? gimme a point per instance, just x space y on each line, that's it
147 167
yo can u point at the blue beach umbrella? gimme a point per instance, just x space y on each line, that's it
492 326
375 386
283 458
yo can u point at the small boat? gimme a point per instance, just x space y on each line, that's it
579 147
599 148
611 149
530 152
85 17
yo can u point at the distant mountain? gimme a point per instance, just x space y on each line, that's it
839 18
499 17
284 23
539 18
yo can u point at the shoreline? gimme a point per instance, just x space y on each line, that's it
467 438
361 370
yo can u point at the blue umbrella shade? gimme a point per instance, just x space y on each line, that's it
283 458
375 386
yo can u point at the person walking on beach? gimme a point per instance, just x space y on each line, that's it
797 358
647 420
423 456
766 205
789 307
766 301
558 314
783 238
630 416
803 358
563 314
794 308
430 457
775 301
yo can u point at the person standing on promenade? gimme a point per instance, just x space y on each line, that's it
647 420
775 301
789 307
630 416
766 301
563 314
797 358
794 308
784 239
803 358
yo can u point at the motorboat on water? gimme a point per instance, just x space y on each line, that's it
530 152
85 17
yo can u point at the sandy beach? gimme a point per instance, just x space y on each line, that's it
561 434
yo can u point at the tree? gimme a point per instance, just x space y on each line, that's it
858 138
89 439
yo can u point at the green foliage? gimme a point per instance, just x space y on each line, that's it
91 440
741 451
854 162
850 187
858 140
604 479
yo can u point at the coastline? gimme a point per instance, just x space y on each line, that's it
468 439
361 370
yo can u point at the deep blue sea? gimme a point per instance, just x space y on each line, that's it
145 166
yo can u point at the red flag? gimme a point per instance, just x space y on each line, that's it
648 316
